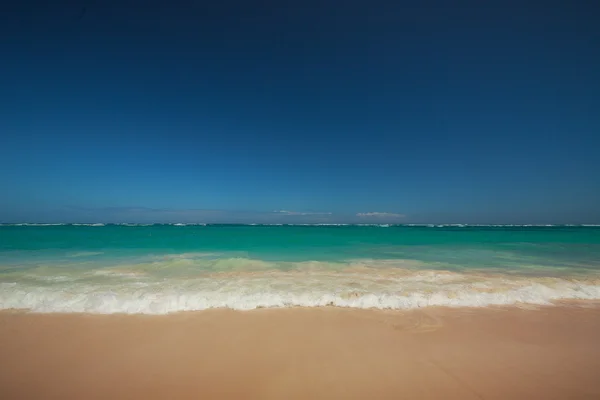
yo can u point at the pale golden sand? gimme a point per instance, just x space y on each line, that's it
328 353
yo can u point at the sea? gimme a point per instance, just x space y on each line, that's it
167 268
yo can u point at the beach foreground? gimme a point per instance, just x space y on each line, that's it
332 353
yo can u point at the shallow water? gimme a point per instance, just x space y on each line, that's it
167 268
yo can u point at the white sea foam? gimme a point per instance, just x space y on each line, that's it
32 224
51 278
106 301
95 224
141 290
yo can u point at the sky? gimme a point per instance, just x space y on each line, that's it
300 111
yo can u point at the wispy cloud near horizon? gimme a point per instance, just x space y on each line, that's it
380 215
144 214
141 214
286 212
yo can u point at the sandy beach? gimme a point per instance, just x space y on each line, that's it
323 353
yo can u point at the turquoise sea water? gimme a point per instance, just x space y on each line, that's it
169 268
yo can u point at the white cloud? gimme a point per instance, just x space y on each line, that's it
286 212
380 215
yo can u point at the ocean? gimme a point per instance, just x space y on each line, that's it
165 268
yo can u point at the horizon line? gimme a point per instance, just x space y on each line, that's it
454 224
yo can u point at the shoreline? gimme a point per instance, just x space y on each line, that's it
550 352
132 289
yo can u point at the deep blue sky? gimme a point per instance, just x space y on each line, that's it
442 111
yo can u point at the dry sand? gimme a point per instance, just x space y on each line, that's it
328 353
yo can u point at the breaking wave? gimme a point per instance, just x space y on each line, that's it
146 289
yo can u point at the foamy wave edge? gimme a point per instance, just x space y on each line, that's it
87 300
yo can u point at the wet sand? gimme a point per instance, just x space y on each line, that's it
327 353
